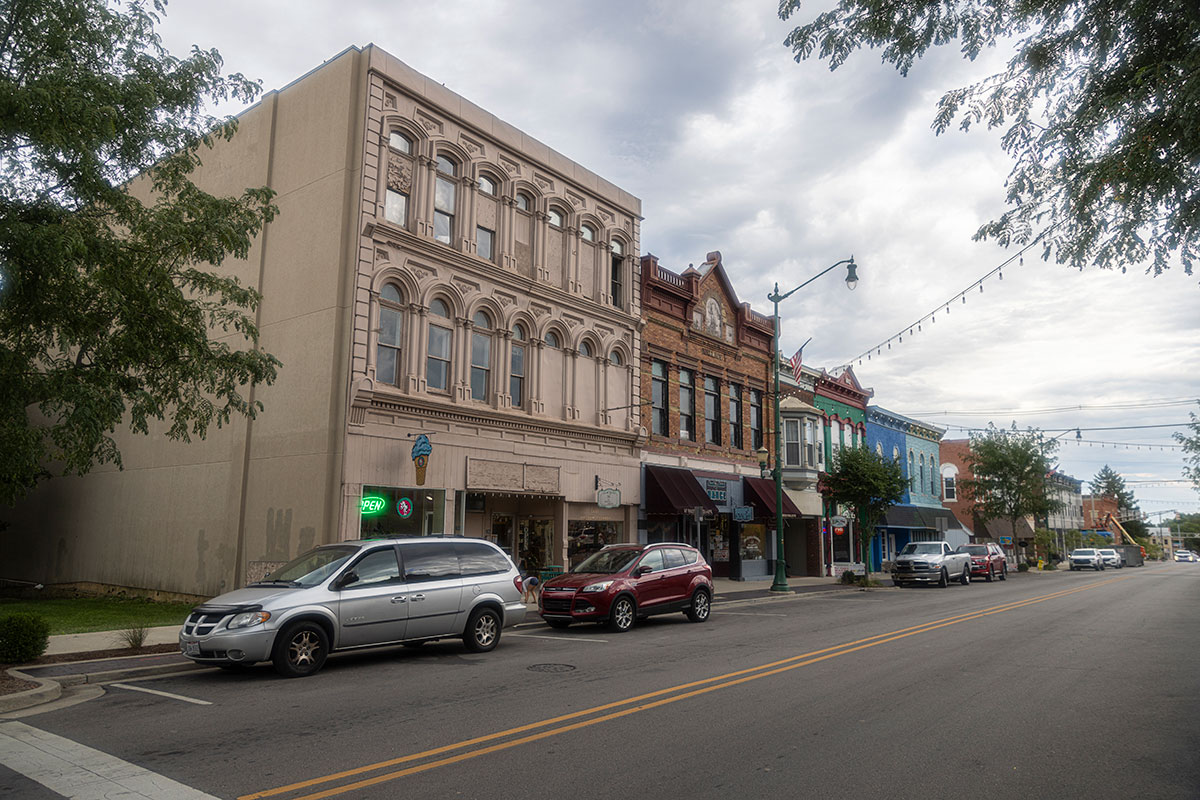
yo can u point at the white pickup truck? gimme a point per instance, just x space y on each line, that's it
930 562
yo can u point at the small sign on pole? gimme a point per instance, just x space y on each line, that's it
743 513
608 498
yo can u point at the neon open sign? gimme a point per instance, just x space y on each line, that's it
372 505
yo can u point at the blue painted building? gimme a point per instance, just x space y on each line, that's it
919 516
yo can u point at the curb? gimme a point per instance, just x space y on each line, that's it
51 688
47 691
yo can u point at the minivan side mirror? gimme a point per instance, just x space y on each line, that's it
347 579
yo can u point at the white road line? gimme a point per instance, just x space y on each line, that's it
160 694
560 638
81 773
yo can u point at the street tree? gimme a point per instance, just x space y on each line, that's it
1010 469
1099 107
1109 482
112 309
867 483
1191 450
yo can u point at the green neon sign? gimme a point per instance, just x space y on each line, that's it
372 505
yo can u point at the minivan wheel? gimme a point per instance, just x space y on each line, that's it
483 631
300 650
620 618
701 606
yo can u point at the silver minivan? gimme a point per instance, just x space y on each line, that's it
360 594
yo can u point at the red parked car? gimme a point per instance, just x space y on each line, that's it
625 582
987 560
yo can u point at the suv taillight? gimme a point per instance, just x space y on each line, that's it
520 584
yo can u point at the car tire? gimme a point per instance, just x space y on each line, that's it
559 624
701 606
300 650
482 633
1004 572
965 578
622 614
991 576
944 579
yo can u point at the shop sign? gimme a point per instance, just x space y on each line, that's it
371 505
608 498
838 521
715 490
743 514
1005 540
404 507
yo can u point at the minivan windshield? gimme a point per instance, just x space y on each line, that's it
921 548
312 567
607 562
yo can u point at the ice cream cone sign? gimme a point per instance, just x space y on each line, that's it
420 456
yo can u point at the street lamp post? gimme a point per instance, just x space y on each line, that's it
780 584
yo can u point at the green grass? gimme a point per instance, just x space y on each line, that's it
86 614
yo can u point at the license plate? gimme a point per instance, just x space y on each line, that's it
191 648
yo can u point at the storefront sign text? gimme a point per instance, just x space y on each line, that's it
715 490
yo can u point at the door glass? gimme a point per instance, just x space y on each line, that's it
674 558
502 532
534 543
376 567
653 560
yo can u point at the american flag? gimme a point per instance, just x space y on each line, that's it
794 361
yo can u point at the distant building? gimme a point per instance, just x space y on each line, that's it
706 405
919 516
843 401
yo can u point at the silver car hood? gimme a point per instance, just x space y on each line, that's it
257 596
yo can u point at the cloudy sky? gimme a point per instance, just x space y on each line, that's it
698 109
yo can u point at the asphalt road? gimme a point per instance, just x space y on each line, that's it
1063 685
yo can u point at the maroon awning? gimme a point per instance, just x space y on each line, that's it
760 493
674 491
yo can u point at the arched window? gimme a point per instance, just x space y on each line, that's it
617 282
516 375
444 200
585 348
896 454
481 356
391 319
587 232
933 477
912 471
437 358
879 449
487 185
615 359
921 482
555 217
400 143
552 340
523 201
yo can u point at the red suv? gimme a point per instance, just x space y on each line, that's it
625 582
987 560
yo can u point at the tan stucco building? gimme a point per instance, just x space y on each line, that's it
434 272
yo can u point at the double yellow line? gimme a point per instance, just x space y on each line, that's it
642 702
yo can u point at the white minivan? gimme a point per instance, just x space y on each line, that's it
360 594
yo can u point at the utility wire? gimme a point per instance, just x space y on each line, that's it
1132 404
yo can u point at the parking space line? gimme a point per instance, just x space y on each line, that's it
160 693
559 638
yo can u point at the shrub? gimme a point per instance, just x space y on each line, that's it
134 636
23 637
1049 566
849 578
1022 567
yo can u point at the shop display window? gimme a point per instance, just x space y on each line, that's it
401 511
585 537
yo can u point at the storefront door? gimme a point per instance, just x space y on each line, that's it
534 543
502 533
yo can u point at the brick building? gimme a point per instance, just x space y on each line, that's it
706 404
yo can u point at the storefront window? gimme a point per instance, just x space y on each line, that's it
401 511
534 538
585 537
753 541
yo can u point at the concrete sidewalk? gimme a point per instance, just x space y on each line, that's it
106 640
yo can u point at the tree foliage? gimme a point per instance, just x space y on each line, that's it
1109 482
1191 450
1009 468
110 310
1099 107
868 483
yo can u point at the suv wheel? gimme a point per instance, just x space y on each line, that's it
621 617
1004 572
701 606
300 650
483 631
991 576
